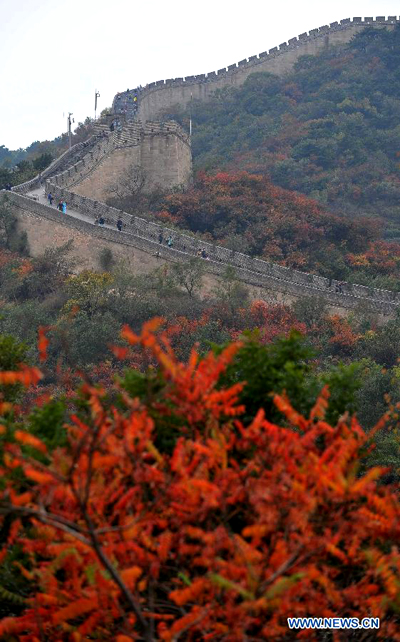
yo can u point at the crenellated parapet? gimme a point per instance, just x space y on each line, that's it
162 95
144 236
160 150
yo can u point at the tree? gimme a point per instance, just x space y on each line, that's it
242 526
41 162
189 275
106 259
230 292
129 185
88 291
10 237
12 353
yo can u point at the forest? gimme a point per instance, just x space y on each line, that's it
184 463
329 130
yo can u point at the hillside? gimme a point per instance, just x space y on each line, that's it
330 130
249 214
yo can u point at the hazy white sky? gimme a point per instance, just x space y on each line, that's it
55 53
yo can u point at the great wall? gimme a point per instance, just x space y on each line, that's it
83 175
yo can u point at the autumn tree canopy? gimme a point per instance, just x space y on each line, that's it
241 525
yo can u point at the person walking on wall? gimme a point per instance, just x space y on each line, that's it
50 198
170 241
59 206
64 207
119 225
160 238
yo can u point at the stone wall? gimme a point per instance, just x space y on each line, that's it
160 150
67 159
284 283
163 95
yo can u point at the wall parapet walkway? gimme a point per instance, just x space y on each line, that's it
190 245
186 243
131 135
144 236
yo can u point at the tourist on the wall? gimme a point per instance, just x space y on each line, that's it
8 187
119 225
64 207
101 220
160 238
50 198
59 206
170 241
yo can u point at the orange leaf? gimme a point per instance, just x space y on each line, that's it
131 337
320 406
73 610
120 353
20 500
130 575
284 406
44 598
25 573
4 407
26 376
30 440
38 476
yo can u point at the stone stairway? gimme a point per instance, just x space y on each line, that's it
99 128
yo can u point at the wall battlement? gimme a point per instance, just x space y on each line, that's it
160 150
162 95
143 235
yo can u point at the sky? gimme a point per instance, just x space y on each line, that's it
54 54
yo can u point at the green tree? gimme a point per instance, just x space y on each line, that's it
189 275
12 353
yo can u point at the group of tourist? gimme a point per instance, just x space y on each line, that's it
201 253
130 103
62 205
101 221
169 241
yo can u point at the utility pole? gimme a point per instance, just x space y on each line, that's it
190 117
96 96
69 128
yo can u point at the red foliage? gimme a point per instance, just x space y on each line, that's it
343 338
237 529
381 257
275 223
274 320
